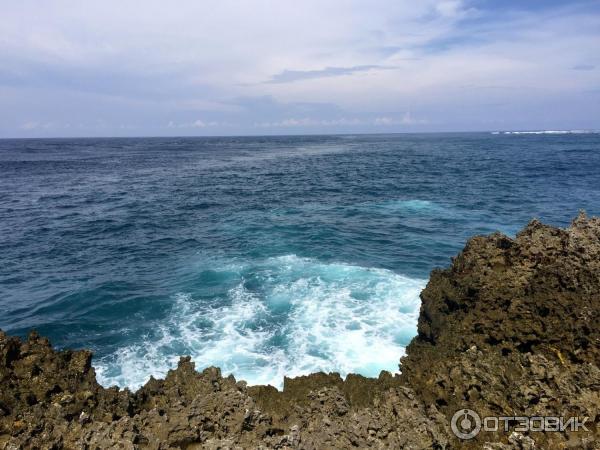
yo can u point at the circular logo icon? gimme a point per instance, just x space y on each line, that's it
466 424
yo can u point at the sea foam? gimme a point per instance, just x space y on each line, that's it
548 132
285 316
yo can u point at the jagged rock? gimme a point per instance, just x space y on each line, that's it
511 328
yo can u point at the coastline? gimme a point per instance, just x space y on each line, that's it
510 329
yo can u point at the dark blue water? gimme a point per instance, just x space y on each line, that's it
264 256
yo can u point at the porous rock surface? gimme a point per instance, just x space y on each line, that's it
512 328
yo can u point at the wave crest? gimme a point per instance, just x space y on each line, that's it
284 316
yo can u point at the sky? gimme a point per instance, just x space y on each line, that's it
261 67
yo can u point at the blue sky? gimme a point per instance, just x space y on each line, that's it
225 67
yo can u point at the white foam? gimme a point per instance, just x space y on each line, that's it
549 132
414 205
301 316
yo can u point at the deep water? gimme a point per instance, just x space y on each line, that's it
262 255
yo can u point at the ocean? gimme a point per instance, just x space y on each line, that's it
265 256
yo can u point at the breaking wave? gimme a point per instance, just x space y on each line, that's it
283 316
549 132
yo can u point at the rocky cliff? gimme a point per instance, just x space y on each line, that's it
511 329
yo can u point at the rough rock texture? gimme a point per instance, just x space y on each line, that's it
511 329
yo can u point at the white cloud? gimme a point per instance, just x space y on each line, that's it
115 62
195 124
405 119
449 8
311 122
31 125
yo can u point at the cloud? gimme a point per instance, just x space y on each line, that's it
405 119
450 8
583 67
310 122
195 124
31 125
205 70
288 76
34 125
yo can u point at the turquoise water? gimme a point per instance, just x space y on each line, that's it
264 256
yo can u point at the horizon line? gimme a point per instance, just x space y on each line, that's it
523 131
